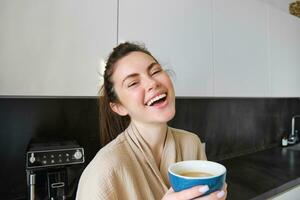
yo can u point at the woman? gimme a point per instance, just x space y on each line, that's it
137 100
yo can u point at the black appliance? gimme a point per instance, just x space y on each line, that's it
47 168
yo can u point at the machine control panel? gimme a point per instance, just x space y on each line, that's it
48 158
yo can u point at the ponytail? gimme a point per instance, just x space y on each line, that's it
111 124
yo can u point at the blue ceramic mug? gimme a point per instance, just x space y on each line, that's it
187 174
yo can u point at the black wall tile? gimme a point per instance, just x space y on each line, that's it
235 126
229 126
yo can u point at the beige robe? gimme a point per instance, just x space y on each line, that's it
126 169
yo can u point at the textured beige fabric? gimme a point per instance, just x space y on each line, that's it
126 169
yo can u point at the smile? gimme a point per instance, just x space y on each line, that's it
157 99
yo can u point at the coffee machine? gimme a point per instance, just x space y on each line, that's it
49 167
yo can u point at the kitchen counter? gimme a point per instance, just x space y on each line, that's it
263 174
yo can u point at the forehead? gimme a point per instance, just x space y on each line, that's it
134 62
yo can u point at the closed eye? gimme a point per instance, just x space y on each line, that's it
133 83
156 71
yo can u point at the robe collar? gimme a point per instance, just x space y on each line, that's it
169 155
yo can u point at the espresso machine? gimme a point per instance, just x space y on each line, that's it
49 167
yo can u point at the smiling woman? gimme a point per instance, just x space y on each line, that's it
136 102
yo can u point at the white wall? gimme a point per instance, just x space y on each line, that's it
178 34
240 48
220 48
282 5
284 54
217 48
54 47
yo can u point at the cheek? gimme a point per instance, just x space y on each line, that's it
131 98
168 82
137 96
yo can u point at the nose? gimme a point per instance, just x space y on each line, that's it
151 83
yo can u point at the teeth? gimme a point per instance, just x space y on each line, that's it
156 99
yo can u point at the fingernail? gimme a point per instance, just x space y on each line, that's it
203 189
220 194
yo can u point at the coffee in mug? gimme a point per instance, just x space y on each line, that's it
194 174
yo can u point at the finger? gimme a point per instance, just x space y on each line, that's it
225 186
170 191
191 193
225 190
221 194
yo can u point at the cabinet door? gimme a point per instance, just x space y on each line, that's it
178 33
54 47
284 54
240 48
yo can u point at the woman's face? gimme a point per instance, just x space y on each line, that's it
144 89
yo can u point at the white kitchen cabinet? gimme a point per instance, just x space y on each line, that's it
284 54
179 34
223 48
55 47
240 47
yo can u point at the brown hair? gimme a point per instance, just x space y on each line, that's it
112 124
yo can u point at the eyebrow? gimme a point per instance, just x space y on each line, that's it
136 74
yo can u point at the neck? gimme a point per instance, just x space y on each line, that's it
154 135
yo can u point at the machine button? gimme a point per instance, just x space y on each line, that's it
32 158
78 155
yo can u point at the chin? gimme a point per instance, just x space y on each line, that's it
165 117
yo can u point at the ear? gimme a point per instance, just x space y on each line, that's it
119 109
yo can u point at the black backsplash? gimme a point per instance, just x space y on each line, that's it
229 126
47 118
235 126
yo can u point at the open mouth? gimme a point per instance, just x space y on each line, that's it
157 100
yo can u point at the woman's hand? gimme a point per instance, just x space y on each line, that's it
194 192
